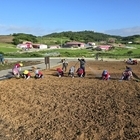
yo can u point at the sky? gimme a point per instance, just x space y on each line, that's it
42 17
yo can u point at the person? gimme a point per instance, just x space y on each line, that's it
18 66
80 72
16 72
38 73
105 75
16 69
71 71
64 65
82 64
127 74
60 72
1 59
26 74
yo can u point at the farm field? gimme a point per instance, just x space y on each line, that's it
68 108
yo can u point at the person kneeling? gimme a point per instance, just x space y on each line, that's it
127 74
26 74
80 72
60 72
105 75
71 71
38 73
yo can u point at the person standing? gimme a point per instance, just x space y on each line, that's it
64 65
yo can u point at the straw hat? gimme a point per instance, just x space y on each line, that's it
25 72
21 64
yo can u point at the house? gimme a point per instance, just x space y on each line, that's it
91 43
74 44
55 47
25 45
39 46
103 47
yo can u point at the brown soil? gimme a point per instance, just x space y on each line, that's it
68 108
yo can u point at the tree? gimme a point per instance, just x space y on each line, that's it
16 41
129 53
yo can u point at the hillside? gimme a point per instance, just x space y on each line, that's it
6 38
63 37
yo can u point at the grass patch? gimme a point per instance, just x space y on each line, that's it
11 64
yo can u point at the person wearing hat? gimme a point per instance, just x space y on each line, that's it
16 69
26 74
105 75
18 66
38 73
127 74
82 64
15 72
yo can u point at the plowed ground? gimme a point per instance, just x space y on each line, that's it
68 108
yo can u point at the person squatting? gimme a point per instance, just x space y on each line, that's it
105 75
26 74
16 69
37 72
127 74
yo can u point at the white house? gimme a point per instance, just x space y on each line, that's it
55 47
39 46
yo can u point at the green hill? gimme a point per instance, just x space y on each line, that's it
63 37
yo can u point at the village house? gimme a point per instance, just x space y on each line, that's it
103 47
74 44
40 46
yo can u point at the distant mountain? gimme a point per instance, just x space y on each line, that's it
82 36
86 36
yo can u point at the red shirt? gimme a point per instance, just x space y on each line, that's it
59 70
17 65
80 71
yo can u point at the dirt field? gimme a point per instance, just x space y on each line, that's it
68 108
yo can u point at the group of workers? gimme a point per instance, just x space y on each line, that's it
80 71
126 75
26 73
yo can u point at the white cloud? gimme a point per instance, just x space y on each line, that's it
124 31
38 31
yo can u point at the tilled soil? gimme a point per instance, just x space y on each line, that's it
68 108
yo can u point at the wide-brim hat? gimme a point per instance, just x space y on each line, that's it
25 72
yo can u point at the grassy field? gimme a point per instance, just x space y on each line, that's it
116 53
10 50
6 48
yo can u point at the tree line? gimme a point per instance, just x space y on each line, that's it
82 36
